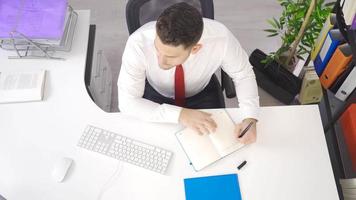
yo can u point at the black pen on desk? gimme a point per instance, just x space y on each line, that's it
246 129
241 165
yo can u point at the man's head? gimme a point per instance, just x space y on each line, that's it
179 29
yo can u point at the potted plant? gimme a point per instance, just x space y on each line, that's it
298 26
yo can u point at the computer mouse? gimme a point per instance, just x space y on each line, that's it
61 168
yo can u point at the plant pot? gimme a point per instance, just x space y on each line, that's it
292 64
274 78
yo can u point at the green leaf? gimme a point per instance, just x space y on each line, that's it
300 15
300 57
331 4
277 23
270 30
272 23
272 35
302 48
264 61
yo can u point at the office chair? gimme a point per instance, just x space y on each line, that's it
139 12
2 198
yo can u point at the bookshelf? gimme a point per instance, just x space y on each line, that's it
331 108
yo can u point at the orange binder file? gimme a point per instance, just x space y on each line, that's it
348 125
337 64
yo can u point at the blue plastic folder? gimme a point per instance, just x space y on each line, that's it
213 188
333 39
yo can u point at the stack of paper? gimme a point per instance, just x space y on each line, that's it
37 19
48 23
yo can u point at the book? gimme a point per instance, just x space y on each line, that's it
328 25
347 87
337 64
311 91
332 41
203 150
218 187
22 86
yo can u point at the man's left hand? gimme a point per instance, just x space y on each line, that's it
250 135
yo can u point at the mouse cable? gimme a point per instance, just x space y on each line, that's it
111 179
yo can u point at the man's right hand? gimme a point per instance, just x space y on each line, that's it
197 120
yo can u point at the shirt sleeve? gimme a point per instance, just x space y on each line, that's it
236 64
131 85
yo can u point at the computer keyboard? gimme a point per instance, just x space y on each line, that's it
125 149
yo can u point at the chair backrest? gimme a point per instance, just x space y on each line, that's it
139 12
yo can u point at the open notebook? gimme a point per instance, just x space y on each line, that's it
203 150
20 86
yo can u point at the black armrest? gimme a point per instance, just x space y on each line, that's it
89 60
228 85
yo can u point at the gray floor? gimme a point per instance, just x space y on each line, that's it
246 19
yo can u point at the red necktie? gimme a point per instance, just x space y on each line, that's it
179 86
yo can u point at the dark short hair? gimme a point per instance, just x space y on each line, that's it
180 24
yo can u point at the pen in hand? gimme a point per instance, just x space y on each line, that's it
245 130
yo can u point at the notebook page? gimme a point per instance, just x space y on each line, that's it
224 138
198 148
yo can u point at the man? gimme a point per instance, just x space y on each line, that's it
167 68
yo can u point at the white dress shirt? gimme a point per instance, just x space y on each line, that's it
219 48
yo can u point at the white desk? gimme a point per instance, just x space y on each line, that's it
289 161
